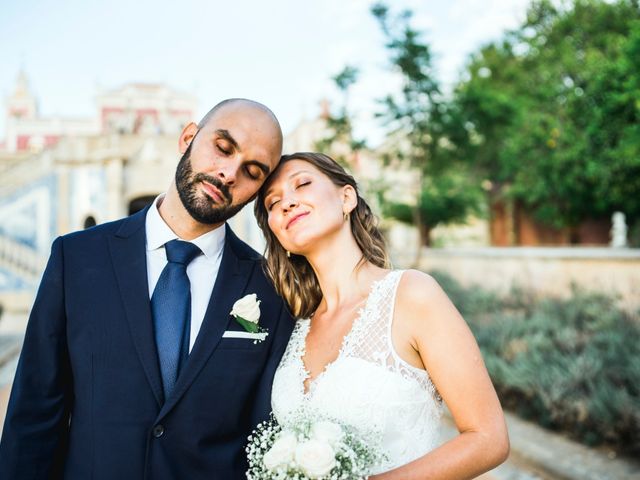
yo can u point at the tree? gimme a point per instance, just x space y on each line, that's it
442 199
339 140
552 112
418 123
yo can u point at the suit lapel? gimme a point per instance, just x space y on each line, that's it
128 254
230 283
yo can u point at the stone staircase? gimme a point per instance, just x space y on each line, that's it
21 268
21 261
15 171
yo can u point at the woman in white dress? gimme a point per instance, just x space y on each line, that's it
379 350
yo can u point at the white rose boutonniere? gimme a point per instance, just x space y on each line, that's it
246 312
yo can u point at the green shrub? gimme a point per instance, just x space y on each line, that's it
470 301
571 365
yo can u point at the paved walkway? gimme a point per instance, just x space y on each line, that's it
9 348
537 453
4 399
561 458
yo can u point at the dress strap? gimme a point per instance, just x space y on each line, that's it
385 297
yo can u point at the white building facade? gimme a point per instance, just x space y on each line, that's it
59 175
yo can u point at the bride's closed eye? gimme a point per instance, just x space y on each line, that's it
271 204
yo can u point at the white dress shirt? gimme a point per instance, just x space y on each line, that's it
202 271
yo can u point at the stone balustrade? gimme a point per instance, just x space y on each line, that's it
21 260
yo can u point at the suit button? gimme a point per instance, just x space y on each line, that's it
158 431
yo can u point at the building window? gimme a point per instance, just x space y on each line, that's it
89 222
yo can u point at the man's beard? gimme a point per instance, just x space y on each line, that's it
201 207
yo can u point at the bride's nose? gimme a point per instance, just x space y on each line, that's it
289 204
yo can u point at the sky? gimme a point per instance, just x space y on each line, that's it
280 52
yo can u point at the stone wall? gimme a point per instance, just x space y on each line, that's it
545 271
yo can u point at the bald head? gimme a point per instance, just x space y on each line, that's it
250 106
225 160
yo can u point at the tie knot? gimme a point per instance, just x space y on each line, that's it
181 252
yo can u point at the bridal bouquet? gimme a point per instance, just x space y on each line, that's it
309 450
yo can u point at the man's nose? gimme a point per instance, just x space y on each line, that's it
227 173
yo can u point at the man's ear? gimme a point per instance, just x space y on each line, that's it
349 198
186 137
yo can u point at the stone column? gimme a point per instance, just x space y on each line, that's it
116 207
64 200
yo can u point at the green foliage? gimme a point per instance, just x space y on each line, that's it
419 126
552 112
415 113
346 78
448 197
469 301
445 198
399 211
572 364
339 141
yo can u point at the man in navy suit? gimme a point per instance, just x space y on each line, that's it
94 397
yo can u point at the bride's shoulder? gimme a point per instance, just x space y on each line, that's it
417 286
419 292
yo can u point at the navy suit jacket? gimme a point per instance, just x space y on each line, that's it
87 399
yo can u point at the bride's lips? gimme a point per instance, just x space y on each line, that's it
213 192
296 218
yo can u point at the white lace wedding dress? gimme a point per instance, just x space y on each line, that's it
368 387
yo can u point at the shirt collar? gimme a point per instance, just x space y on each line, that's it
159 233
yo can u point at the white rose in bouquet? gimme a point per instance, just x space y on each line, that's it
328 432
247 308
310 449
316 458
281 452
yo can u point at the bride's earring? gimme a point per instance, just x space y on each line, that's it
345 216
288 254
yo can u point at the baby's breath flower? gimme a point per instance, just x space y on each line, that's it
354 455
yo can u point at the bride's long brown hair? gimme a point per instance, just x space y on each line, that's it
293 276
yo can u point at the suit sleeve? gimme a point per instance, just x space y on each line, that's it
35 433
262 406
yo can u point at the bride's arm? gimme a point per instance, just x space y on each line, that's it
437 335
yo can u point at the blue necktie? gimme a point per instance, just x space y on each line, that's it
171 310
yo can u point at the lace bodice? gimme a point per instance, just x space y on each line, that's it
368 386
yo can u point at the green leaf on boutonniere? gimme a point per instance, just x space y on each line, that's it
247 325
